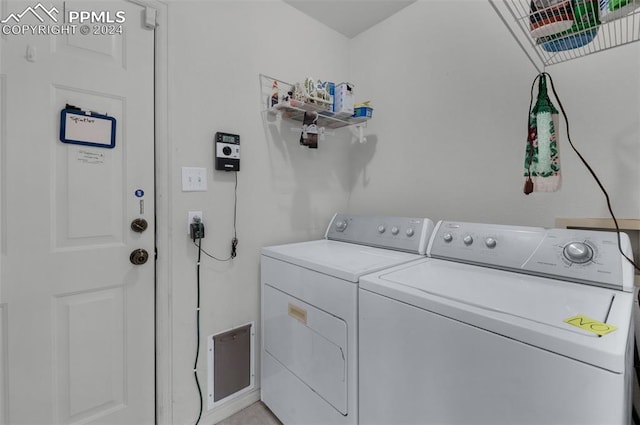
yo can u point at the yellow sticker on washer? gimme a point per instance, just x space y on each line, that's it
591 325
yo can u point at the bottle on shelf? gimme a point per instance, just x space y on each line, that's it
274 94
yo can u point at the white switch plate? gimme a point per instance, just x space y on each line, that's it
193 214
194 179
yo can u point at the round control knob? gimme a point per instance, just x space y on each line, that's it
448 237
381 229
490 242
341 225
226 150
409 232
395 230
468 240
578 252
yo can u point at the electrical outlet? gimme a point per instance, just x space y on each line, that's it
190 219
197 230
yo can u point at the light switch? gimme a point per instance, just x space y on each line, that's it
194 179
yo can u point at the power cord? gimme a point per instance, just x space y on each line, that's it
234 240
195 364
586 164
198 234
634 412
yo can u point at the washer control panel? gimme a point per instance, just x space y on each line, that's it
399 233
583 256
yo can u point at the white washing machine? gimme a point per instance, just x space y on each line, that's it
309 371
484 331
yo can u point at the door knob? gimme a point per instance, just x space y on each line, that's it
139 225
139 257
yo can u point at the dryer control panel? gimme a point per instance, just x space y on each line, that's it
584 256
408 234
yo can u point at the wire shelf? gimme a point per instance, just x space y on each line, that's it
617 28
295 109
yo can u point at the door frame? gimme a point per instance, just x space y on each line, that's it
164 251
4 367
163 202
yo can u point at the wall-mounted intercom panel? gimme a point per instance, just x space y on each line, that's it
227 152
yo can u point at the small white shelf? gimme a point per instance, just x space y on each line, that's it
295 109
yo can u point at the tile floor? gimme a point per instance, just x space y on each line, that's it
255 414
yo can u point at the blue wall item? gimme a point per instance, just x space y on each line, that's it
87 128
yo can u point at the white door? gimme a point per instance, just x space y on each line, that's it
76 316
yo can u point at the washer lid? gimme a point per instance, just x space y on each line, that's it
530 309
346 261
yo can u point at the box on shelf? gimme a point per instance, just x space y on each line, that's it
331 87
343 100
363 111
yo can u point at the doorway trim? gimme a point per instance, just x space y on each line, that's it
163 177
163 202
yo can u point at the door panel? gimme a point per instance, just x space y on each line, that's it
89 182
106 50
78 316
87 326
312 347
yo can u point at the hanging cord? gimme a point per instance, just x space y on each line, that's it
234 240
195 364
593 174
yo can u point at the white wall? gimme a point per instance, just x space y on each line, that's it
451 90
286 192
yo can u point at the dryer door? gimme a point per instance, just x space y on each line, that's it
309 342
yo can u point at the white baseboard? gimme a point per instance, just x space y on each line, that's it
233 406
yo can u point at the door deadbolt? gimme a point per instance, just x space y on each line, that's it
139 225
139 257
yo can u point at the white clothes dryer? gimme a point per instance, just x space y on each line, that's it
309 297
502 325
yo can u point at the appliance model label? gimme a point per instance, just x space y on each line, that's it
298 313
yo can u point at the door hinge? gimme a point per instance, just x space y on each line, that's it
155 252
150 18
